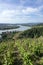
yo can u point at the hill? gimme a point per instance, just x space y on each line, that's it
22 48
36 31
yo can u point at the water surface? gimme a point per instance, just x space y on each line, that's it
21 28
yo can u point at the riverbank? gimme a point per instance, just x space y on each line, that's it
20 28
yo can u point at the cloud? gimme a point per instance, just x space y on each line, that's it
20 14
7 13
17 12
12 12
29 10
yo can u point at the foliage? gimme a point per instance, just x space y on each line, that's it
33 32
23 51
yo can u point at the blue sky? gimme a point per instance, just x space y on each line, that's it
21 11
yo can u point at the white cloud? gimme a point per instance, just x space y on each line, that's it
29 10
7 13
19 13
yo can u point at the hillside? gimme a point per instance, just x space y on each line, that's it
36 31
22 48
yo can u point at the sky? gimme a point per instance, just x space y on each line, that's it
21 11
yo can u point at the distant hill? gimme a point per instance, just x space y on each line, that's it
8 26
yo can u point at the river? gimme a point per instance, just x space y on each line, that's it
21 28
